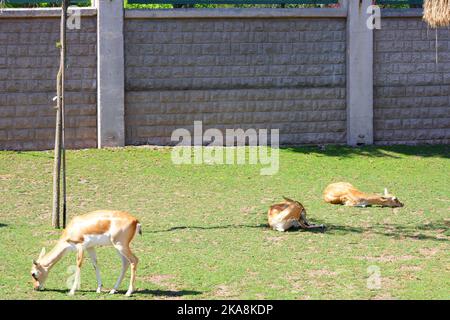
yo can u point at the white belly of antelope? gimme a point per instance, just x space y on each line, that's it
94 240
285 225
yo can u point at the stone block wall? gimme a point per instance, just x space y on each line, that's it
262 69
29 61
286 74
411 90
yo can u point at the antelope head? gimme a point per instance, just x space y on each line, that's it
390 200
38 272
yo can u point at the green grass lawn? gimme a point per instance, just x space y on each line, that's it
205 233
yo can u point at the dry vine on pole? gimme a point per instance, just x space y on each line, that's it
60 154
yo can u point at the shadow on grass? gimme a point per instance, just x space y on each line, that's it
389 230
34 154
236 226
442 151
229 226
313 230
2 225
168 293
66 291
158 293
341 151
395 230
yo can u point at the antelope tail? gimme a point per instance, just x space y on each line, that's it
139 229
287 199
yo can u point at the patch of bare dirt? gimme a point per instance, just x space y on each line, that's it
410 268
275 240
247 210
224 291
297 280
387 258
268 200
260 296
429 251
321 273
161 280
252 274
383 296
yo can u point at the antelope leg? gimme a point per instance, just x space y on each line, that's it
305 224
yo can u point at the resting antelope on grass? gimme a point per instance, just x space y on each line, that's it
85 232
346 194
289 214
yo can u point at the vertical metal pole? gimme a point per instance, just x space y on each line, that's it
57 162
60 126
65 5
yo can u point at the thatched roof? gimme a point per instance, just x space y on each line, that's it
437 13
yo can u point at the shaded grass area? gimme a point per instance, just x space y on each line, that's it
205 233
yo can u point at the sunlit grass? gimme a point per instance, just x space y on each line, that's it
205 234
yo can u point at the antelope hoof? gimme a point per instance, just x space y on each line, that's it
129 293
113 291
99 290
71 293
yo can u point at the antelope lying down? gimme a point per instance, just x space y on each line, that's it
288 214
346 194
98 228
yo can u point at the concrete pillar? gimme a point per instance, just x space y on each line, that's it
342 3
110 74
359 74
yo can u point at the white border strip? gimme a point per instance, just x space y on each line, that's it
237 13
40 12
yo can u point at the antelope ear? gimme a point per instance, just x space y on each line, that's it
42 254
386 191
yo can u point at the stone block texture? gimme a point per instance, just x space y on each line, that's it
286 74
29 61
412 91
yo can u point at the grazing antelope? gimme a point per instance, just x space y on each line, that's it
98 228
346 194
288 214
